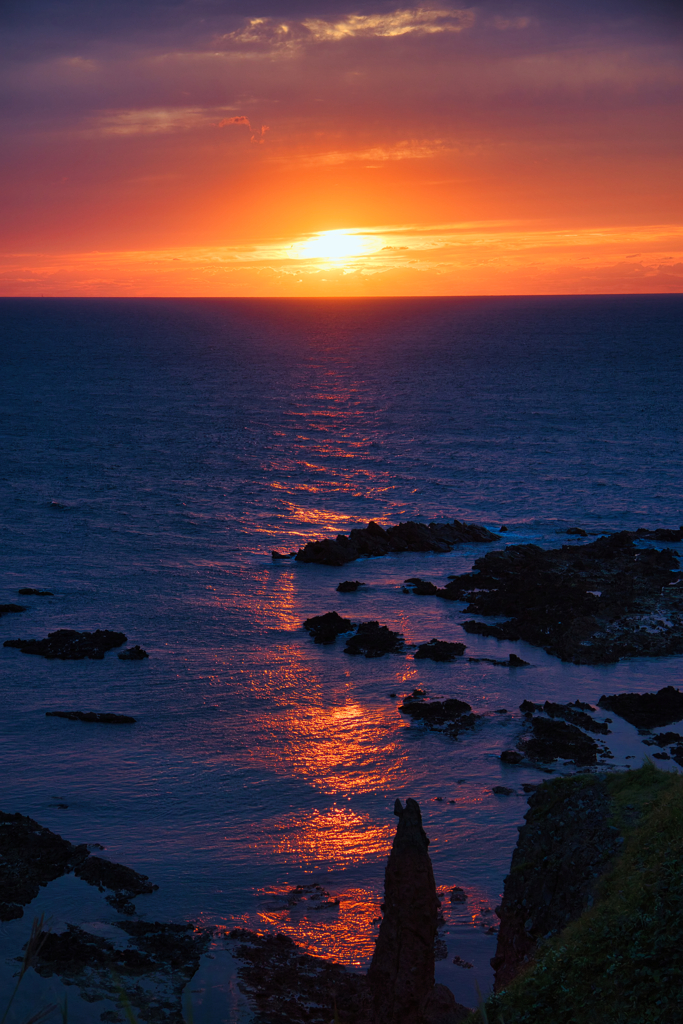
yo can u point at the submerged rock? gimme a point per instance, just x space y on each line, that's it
511 757
326 628
401 975
451 716
646 710
106 717
349 586
70 645
134 654
35 593
499 632
512 662
7 609
374 541
590 604
125 883
374 641
439 650
552 739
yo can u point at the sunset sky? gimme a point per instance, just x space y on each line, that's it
319 147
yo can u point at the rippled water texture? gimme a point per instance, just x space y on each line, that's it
154 452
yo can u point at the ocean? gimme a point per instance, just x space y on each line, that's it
156 451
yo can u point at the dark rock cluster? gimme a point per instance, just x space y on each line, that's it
552 739
70 645
349 586
439 650
574 713
566 843
134 654
451 716
373 541
646 710
589 604
31 856
326 628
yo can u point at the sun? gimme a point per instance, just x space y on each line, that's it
337 245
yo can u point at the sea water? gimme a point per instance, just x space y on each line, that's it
156 451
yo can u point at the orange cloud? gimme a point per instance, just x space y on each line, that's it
257 135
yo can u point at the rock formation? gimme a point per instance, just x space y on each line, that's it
70 645
401 975
591 604
373 541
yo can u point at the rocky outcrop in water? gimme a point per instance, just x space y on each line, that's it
646 710
565 845
70 645
439 650
34 592
590 604
401 975
105 717
7 609
349 586
134 654
373 541
552 739
326 628
574 713
374 641
451 716
31 856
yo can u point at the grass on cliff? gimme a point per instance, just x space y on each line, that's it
621 962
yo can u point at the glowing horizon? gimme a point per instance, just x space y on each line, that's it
416 150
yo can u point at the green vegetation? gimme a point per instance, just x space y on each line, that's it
621 962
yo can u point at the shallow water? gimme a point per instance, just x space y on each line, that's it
156 451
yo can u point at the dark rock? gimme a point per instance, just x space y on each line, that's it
566 843
499 632
401 975
422 588
31 856
453 716
661 755
581 705
459 962
502 790
275 555
501 711
35 593
670 536
502 529
90 716
349 586
152 970
134 654
288 986
530 787
326 628
70 645
589 604
512 662
441 1007
665 739
374 541
646 710
374 641
571 714
458 895
528 707
511 756
6 609
553 739
576 531
439 650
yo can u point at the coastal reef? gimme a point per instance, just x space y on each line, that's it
590 921
439 650
374 540
70 645
31 856
589 604
646 710
369 638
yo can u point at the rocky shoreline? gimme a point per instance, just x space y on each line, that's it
374 541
